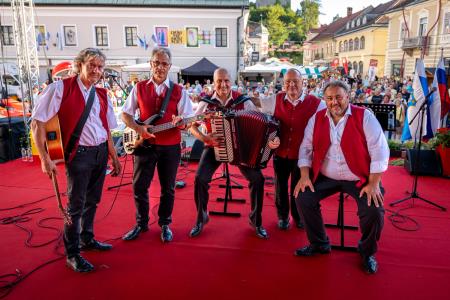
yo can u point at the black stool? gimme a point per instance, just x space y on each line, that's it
340 224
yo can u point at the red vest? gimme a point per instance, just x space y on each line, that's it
149 104
293 121
72 107
353 144
234 96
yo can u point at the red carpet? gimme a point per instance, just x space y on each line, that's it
227 261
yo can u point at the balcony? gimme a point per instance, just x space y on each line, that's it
415 43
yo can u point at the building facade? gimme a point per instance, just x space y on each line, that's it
127 30
417 29
362 41
257 43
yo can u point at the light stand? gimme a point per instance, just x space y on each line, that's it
414 195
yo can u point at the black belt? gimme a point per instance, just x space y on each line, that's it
91 148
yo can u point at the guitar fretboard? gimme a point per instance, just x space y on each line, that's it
166 126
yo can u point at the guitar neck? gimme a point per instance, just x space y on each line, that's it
169 125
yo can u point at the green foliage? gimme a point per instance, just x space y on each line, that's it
394 145
285 24
294 57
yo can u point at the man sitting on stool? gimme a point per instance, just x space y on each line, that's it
345 150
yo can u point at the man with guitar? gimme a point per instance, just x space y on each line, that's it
85 117
158 101
224 97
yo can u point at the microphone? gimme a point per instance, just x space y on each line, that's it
433 89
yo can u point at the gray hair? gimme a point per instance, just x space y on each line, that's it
220 70
337 84
84 55
294 70
162 50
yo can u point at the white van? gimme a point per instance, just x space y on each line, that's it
9 75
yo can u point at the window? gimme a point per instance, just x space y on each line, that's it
350 45
355 67
70 35
101 36
130 36
345 46
353 23
40 35
356 45
364 20
360 70
362 43
221 37
7 35
423 22
340 47
446 27
396 67
358 22
403 31
348 25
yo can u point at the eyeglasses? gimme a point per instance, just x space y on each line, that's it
289 81
163 64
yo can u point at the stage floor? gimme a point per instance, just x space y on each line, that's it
227 261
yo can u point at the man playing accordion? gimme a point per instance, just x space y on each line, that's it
223 97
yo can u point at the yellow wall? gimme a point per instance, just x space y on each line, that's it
375 48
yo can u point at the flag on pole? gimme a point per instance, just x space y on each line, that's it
59 41
420 89
440 83
406 134
142 42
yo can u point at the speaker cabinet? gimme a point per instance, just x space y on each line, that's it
428 162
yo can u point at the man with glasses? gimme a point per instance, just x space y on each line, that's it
292 108
344 150
86 162
160 150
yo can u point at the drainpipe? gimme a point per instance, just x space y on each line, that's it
238 42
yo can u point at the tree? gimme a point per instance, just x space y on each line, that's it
277 28
309 11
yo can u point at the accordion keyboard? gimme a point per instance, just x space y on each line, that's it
221 127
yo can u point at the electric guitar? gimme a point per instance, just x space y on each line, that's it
132 140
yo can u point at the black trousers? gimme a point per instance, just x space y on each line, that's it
85 178
166 159
206 168
371 218
284 198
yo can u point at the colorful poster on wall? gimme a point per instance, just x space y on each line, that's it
204 37
191 36
162 36
176 37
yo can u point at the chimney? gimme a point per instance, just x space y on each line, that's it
349 11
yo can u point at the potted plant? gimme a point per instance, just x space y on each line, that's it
442 146
395 148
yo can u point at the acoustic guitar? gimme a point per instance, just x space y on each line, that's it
55 150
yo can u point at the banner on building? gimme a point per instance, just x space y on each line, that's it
345 65
373 69
191 36
177 37
204 37
162 36
335 63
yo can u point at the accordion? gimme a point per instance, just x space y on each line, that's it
243 137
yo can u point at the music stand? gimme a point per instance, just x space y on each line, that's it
228 198
414 195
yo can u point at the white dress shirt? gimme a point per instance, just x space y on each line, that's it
93 133
203 106
268 103
334 165
184 106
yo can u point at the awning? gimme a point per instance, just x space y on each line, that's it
311 72
201 68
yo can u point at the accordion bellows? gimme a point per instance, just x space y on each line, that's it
243 137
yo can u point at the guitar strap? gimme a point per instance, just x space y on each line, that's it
162 111
77 132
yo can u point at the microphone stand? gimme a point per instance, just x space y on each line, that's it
414 195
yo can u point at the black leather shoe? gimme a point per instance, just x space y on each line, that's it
283 224
261 232
197 229
134 233
166 234
310 250
79 264
96 245
370 264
